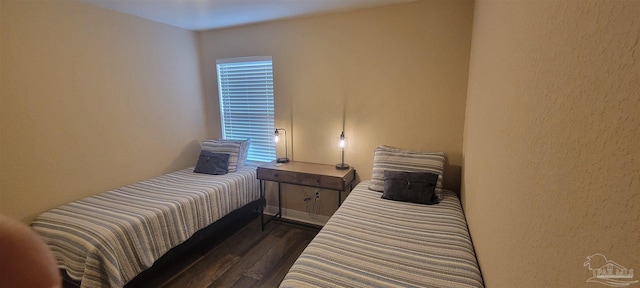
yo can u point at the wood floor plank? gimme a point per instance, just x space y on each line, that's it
248 258
243 241
170 272
245 282
270 260
246 262
280 229
238 245
277 274
204 276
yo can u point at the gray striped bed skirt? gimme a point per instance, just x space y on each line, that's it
107 239
373 242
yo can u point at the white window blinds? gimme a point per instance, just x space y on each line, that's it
245 87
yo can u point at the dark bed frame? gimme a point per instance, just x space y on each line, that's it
201 242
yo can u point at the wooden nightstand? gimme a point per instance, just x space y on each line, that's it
304 174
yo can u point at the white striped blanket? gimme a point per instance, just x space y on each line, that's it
373 242
107 239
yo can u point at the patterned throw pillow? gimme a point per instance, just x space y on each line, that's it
224 147
244 150
397 159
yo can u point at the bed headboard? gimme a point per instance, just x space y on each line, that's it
452 177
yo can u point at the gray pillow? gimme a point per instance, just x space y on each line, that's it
224 147
212 163
415 187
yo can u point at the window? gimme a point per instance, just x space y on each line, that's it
245 86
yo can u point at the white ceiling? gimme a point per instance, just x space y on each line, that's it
211 14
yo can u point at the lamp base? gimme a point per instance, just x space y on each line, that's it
342 166
282 160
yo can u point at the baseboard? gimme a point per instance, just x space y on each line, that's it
299 216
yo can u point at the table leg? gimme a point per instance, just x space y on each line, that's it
279 201
262 203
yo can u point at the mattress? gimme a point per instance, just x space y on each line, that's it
373 242
107 239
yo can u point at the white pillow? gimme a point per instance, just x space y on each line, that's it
397 159
244 150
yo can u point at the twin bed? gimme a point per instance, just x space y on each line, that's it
374 242
106 240
371 241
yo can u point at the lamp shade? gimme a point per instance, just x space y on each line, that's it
341 144
276 138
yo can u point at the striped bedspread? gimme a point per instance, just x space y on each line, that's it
373 242
107 239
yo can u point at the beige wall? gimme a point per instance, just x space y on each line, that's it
91 99
399 74
552 139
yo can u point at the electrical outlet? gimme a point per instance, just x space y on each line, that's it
317 194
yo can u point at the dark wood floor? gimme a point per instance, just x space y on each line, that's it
248 258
